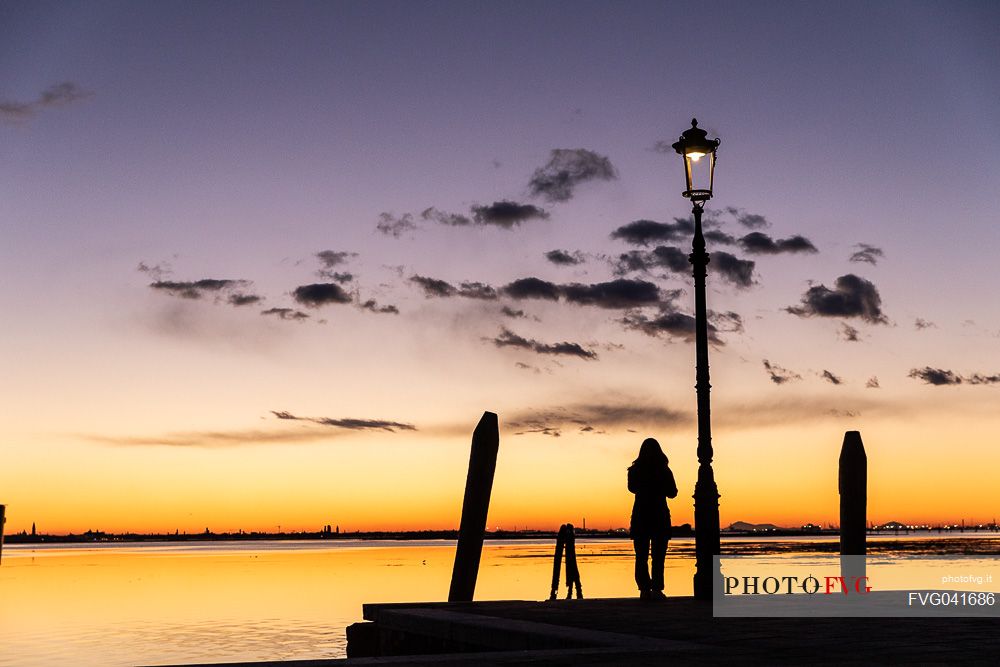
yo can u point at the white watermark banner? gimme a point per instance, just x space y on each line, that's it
889 585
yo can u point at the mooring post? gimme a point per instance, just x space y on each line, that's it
3 520
475 506
572 571
557 561
853 483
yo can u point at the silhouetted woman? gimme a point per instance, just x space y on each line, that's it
652 482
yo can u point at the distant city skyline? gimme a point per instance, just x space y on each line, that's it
268 263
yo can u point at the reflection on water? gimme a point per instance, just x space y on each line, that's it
216 602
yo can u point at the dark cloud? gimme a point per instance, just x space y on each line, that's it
244 299
320 294
434 287
671 258
737 271
681 326
919 324
716 236
759 243
445 218
506 214
508 338
566 169
618 414
749 220
337 276
778 374
872 383
527 367
157 271
371 305
727 322
831 378
564 257
849 333
644 232
195 289
390 225
334 258
286 313
669 323
532 288
620 293
512 313
351 424
58 95
867 253
941 377
851 297
664 146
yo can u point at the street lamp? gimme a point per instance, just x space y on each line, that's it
698 152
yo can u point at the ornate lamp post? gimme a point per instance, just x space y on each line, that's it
698 152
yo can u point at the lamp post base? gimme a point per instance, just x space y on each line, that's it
707 574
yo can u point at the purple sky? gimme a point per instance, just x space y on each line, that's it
237 141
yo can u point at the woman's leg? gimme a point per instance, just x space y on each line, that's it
659 549
641 545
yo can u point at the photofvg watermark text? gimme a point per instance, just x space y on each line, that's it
873 586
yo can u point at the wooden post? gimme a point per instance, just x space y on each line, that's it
572 571
476 505
853 485
557 561
3 520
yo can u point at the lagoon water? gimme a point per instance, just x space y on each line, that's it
175 603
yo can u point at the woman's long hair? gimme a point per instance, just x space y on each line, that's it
650 455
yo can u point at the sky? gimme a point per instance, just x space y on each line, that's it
266 264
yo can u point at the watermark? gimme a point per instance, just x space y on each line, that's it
864 586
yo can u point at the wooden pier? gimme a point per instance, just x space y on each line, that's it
632 632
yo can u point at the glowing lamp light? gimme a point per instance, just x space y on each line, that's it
699 176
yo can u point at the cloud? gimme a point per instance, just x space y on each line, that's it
759 243
831 378
390 225
677 325
527 367
872 383
920 324
671 258
620 293
196 289
940 377
506 214
532 288
445 218
434 287
350 424
218 439
58 95
512 313
564 257
851 297
286 313
749 220
244 299
737 271
867 253
371 305
778 374
320 294
849 333
566 169
334 258
157 271
644 232
620 413
508 338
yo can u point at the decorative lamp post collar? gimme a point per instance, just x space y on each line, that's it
693 145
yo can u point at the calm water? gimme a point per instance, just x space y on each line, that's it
217 602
